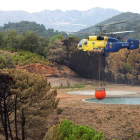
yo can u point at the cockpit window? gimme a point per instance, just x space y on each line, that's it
81 42
85 43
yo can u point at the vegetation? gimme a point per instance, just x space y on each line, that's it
66 130
24 26
138 135
5 60
25 101
87 65
64 51
25 57
124 65
28 41
57 52
79 85
54 38
32 26
59 110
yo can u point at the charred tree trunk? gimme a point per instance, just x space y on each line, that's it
2 120
5 118
16 118
9 127
23 125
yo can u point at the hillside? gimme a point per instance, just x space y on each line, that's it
35 64
134 24
33 26
53 19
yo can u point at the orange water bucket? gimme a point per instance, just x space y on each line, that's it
100 94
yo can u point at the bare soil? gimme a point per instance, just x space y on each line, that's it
51 70
116 121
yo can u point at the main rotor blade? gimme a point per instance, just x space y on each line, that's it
80 33
68 24
120 32
114 23
94 25
79 24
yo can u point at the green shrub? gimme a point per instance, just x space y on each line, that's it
3 62
59 110
66 130
25 57
138 135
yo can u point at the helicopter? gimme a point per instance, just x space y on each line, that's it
103 43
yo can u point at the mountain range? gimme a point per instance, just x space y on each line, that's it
133 23
58 19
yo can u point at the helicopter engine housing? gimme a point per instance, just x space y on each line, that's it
133 44
95 38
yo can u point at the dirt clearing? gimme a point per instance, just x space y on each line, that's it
116 121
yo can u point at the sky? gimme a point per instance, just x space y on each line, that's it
81 5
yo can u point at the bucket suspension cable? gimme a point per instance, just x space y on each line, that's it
100 93
99 70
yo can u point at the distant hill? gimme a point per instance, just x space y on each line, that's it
54 19
26 25
133 24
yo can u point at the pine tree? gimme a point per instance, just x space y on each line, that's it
32 100
57 52
6 102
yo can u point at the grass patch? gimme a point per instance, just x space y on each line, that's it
79 85
138 135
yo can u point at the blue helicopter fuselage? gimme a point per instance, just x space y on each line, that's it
106 44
